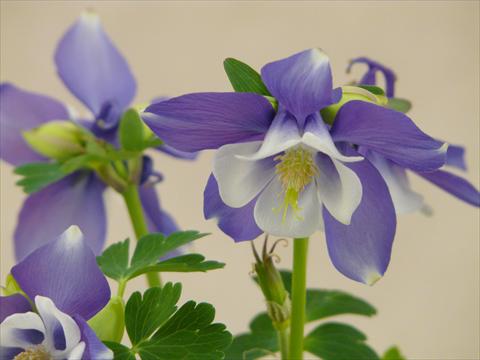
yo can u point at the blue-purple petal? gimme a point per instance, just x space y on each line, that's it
202 121
369 78
361 250
302 83
177 153
389 133
238 223
158 220
13 304
94 348
456 157
76 199
454 185
92 67
66 271
19 111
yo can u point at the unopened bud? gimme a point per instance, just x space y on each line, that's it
109 323
57 140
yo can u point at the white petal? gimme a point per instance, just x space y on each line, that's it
53 318
339 188
268 212
73 235
240 180
9 329
77 352
282 134
317 136
404 199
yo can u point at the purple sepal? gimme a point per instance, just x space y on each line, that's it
92 67
66 271
456 157
389 133
94 348
454 185
369 78
361 250
202 121
76 199
238 223
158 220
13 304
177 153
19 111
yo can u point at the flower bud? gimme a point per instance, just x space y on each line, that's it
57 140
350 93
271 283
109 323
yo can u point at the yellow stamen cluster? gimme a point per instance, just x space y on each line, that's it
35 353
295 168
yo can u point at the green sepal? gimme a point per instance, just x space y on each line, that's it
398 104
109 323
244 78
373 89
130 132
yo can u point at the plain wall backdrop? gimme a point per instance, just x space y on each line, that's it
428 301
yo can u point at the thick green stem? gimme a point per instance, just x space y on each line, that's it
299 294
283 341
135 210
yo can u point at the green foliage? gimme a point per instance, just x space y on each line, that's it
115 264
37 176
244 78
398 104
157 330
373 89
393 353
335 341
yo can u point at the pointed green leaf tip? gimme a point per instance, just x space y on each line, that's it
393 353
157 330
115 263
244 78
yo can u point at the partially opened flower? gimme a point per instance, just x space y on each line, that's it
394 172
98 75
281 172
63 281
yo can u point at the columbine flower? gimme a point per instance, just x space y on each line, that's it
395 175
281 172
67 287
97 74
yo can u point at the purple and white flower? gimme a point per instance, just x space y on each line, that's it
394 173
283 173
94 71
64 282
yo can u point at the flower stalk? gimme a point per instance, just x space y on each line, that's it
135 211
299 283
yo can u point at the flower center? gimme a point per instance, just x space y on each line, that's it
35 353
296 169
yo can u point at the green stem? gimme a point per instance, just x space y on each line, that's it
135 210
283 341
121 288
299 294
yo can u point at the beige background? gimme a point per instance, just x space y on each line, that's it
428 301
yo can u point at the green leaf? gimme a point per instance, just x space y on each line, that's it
373 89
150 248
37 176
131 131
244 78
120 352
114 260
393 353
398 104
260 341
183 263
143 316
336 341
158 331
